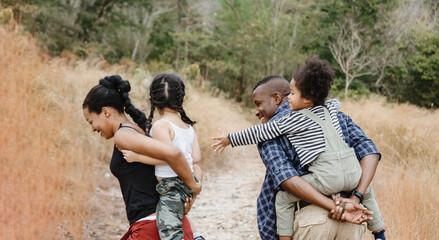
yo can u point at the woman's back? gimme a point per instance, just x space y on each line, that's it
137 183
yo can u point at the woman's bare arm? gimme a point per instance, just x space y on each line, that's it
127 139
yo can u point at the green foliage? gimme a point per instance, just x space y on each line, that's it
357 90
235 43
417 81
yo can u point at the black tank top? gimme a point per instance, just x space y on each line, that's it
137 182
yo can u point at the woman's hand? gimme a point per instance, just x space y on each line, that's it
223 142
350 211
130 156
188 205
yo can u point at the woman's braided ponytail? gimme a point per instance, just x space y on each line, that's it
123 87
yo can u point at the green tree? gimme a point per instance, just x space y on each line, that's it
417 81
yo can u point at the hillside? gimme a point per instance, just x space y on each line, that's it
55 178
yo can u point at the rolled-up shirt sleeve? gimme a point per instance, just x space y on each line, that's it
276 160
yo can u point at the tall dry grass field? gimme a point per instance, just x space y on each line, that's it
47 152
407 181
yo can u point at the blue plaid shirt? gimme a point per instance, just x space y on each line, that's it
282 163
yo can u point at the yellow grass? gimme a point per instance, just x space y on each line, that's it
48 153
407 181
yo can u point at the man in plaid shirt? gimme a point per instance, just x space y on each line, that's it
283 166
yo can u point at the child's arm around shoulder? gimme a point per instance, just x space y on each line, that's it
131 156
333 104
131 140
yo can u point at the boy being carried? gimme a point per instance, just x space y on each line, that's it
313 129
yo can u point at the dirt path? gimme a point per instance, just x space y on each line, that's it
226 208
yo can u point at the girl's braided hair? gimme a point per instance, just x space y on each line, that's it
112 91
167 90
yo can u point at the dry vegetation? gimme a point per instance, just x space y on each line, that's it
407 181
48 153
46 156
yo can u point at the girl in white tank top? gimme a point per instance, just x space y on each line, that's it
167 92
183 140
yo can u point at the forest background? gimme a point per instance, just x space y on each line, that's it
55 182
390 47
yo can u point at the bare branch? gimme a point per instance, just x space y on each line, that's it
349 50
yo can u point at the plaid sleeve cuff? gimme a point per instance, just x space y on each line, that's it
283 175
365 148
278 165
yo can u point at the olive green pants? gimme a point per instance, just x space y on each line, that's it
336 170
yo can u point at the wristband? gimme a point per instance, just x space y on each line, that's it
358 195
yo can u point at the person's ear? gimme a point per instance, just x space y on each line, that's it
307 101
106 111
277 98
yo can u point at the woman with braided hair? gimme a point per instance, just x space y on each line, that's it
167 92
104 108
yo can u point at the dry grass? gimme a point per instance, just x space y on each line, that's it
48 153
407 180
212 113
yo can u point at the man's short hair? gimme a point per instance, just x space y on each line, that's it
276 84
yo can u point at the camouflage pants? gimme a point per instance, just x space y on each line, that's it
170 209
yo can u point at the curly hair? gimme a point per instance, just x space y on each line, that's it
314 79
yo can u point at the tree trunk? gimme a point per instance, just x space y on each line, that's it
136 47
177 53
241 80
186 42
100 14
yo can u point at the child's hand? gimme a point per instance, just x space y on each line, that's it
130 156
223 142
188 205
197 189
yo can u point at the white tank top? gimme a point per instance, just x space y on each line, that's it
183 140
